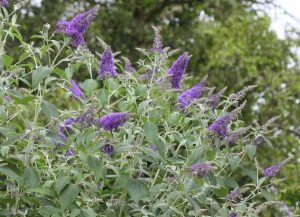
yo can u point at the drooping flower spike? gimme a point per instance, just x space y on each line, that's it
107 64
220 126
178 69
114 120
274 169
77 27
214 100
191 94
76 90
4 3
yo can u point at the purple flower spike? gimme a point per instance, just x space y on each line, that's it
214 100
114 120
70 152
128 66
234 194
191 94
62 136
76 90
107 64
272 170
157 42
107 149
3 3
78 26
153 148
177 70
220 126
201 169
233 215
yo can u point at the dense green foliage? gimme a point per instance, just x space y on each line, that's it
230 41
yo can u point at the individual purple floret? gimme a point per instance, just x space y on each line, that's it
66 125
220 126
76 90
114 120
128 66
177 70
191 94
201 169
157 42
234 194
78 25
107 149
233 215
153 147
107 64
70 152
3 3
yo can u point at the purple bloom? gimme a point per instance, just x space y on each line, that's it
76 90
128 66
7 98
177 70
157 42
62 136
233 215
233 194
220 126
107 149
87 119
78 25
3 3
107 64
153 147
201 169
272 170
114 120
69 121
236 135
70 152
191 94
214 100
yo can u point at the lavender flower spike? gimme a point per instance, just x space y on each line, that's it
214 100
77 27
220 126
201 169
191 94
114 120
70 152
157 42
274 169
107 64
128 66
234 194
234 136
76 90
177 70
233 215
3 3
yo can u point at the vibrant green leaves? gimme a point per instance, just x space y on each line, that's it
39 74
151 132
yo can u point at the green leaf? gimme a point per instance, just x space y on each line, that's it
68 195
250 150
98 168
267 195
61 182
30 177
44 191
89 85
234 163
151 132
48 210
49 109
39 74
137 190
9 173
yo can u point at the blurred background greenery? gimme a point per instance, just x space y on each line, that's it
230 40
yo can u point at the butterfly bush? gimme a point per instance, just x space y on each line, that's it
120 145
